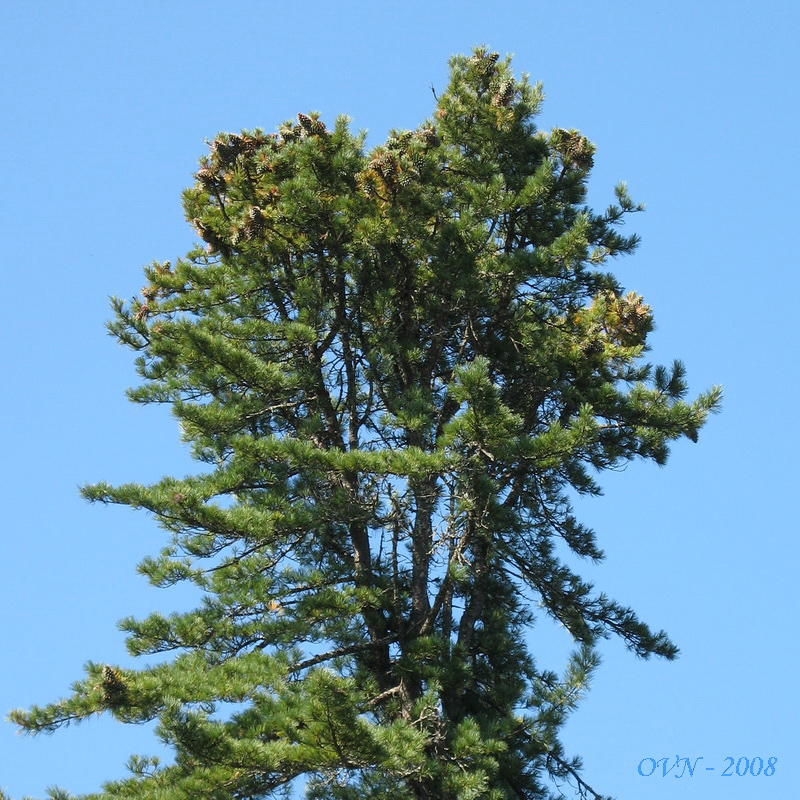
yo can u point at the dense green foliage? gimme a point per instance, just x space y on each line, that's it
397 366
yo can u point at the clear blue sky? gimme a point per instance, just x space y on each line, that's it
694 104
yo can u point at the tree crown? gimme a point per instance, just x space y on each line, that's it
397 365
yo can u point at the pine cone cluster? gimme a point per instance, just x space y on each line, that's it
485 64
399 164
225 151
626 320
227 147
399 141
113 687
306 126
388 171
210 237
311 126
635 317
505 93
385 164
428 137
210 179
576 150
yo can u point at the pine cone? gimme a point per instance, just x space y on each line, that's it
210 179
311 126
113 687
254 224
385 164
428 137
505 94
485 64
225 150
306 123
249 144
575 150
483 59
399 141
389 166
635 316
368 186
289 132
209 236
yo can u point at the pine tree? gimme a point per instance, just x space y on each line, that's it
397 367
